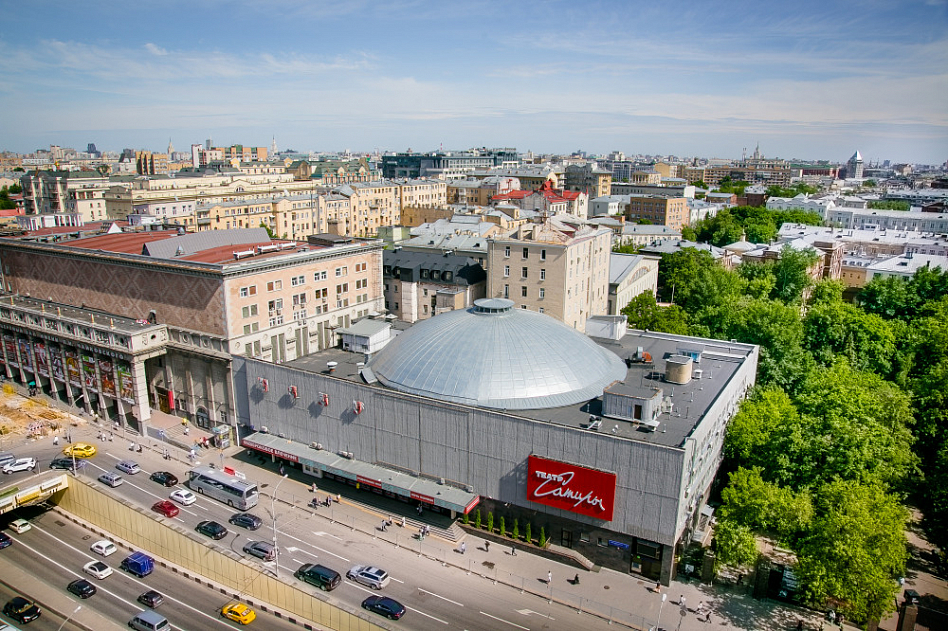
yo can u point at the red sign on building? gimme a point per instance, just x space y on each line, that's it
571 487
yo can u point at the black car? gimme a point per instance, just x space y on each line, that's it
5 540
81 588
212 529
21 610
67 464
321 576
151 598
247 520
163 477
388 607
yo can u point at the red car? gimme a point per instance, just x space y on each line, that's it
166 508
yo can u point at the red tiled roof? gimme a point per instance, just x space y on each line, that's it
121 242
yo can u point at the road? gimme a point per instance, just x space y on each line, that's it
437 596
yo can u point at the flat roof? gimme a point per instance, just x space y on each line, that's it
720 361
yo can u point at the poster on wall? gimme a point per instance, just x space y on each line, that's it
571 487
42 365
25 355
72 368
105 374
56 364
127 388
10 345
88 372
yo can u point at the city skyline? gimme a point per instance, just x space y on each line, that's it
815 81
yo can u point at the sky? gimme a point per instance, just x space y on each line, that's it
804 79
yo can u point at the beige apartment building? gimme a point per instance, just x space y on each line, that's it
556 267
421 193
72 192
588 178
629 276
671 212
421 285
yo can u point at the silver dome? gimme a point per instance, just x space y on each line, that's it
495 356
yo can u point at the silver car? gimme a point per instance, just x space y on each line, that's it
20 464
373 577
261 550
128 466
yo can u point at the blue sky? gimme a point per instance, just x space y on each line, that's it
805 79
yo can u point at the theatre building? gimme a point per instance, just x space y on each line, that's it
609 441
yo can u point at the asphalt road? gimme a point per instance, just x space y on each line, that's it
48 620
437 597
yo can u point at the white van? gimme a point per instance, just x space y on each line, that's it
149 621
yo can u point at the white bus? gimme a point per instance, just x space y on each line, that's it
226 488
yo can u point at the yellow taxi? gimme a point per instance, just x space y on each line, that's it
239 612
79 450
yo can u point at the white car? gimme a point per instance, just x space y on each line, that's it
105 548
97 569
20 464
20 526
183 497
373 577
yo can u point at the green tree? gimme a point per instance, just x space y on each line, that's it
516 528
628 248
477 519
765 506
528 533
838 329
855 548
542 541
678 270
490 521
270 232
503 527
734 544
792 272
644 313
889 205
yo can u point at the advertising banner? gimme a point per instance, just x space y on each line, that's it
56 364
105 374
571 487
88 372
42 365
125 382
10 345
72 368
25 355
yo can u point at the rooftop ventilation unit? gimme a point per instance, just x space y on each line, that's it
243 254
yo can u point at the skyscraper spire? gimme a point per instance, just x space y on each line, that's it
170 147
273 147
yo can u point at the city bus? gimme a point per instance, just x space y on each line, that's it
223 487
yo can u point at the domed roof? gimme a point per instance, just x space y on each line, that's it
495 356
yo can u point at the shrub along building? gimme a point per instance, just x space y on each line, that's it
609 443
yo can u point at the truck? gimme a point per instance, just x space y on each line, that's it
139 564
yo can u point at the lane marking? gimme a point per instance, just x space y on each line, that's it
320 533
506 621
441 597
528 612
317 547
429 615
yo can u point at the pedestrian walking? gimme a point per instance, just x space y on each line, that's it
487 546
384 524
420 510
513 551
681 601
463 547
281 470
403 521
549 578
576 579
338 497
55 440
314 487
426 529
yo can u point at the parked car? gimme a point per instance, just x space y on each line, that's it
151 598
97 569
5 457
20 526
260 549
5 540
163 477
373 577
319 575
128 466
166 508
81 588
247 520
388 607
67 464
20 464
104 547
183 497
79 450
239 612
21 610
110 478
212 529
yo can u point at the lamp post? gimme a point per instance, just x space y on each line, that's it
276 548
659 622
74 612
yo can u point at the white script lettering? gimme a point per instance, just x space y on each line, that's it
563 490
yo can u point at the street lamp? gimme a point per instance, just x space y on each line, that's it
74 612
659 622
276 548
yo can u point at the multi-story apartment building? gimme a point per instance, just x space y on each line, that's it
148 163
480 192
420 285
629 276
445 164
73 192
531 177
332 172
753 173
588 178
681 189
421 193
213 294
372 205
244 154
556 267
548 200
665 211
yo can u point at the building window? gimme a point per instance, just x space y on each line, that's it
541 309
251 328
542 274
249 311
248 291
526 252
506 271
542 293
299 299
524 307
343 288
523 272
319 275
506 291
297 281
276 320
523 291
342 271
507 252
542 255
275 285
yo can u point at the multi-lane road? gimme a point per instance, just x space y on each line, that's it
437 596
